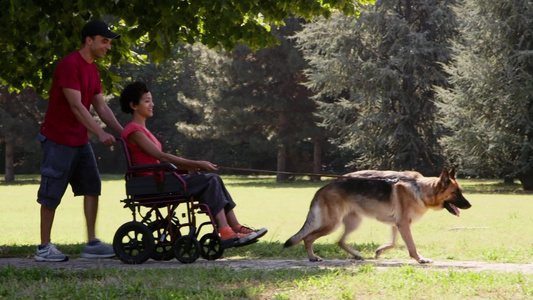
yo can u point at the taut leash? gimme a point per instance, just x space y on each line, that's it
387 179
281 172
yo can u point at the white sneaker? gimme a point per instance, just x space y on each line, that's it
50 253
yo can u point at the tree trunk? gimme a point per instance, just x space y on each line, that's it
527 182
282 163
317 159
10 154
508 179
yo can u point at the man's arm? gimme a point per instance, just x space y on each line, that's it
106 114
85 117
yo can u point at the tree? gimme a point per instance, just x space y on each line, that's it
20 114
260 102
374 78
34 34
490 104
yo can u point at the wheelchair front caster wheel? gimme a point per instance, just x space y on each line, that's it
187 249
211 246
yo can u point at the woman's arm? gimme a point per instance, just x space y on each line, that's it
141 140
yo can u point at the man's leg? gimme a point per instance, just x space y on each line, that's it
47 219
91 210
55 174
94 247
48 251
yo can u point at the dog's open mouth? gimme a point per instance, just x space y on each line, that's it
451 208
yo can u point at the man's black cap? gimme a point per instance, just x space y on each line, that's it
94 28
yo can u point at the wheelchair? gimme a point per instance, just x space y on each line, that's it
164 224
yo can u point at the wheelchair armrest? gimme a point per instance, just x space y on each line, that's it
152 167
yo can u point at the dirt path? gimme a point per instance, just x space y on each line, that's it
269 264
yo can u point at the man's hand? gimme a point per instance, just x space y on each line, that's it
106 138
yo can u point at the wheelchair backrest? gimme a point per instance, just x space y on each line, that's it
165 177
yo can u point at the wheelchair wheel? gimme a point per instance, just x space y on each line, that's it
133 243
163 240
211 246
187 249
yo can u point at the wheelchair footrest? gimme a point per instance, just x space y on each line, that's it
230 243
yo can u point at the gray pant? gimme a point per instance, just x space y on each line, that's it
209 188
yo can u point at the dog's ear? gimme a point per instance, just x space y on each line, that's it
444 179
444 173
453 173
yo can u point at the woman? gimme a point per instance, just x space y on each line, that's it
208 188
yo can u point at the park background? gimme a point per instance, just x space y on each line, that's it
299 86
295 86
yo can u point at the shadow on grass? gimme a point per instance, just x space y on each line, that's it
182 283
261 250
275 250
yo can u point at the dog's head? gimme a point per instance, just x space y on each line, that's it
451 193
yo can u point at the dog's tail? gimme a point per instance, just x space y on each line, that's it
312 223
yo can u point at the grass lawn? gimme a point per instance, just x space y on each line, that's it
496 229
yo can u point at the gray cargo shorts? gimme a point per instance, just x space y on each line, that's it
63 165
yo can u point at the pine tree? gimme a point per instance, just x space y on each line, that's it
375 76
490 107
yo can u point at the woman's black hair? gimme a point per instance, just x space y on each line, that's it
132 93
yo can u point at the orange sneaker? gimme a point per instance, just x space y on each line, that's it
247 230
229 234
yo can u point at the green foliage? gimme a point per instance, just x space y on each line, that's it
490 105
34 34
374 79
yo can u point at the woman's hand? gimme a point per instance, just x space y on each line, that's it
206 166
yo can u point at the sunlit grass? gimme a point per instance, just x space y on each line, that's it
497 228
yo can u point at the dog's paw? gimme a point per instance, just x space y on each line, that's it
315 259
358 257
423 260
378 253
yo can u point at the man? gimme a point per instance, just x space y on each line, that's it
68 157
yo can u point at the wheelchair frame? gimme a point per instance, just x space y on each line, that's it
156 229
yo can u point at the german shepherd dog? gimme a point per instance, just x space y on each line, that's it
394 198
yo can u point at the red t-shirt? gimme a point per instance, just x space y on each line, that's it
60 124
137 155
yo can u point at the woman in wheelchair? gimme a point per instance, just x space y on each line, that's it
208 188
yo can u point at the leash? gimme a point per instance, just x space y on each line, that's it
281 172
390 180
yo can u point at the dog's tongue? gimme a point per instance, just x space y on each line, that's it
455 209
